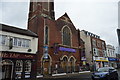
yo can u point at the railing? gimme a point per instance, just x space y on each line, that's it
68 69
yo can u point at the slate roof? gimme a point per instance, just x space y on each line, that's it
12 29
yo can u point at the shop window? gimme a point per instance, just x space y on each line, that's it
19 65
27 66
66 36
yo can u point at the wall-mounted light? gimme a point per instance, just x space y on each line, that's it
29 50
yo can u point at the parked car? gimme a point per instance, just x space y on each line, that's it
105 73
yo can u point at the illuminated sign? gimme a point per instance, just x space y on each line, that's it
112 59
101 59
67 49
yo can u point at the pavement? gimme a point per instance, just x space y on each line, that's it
86 75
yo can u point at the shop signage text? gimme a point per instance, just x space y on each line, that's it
101 59
16 55
112 59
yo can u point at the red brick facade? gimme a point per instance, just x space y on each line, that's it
59 61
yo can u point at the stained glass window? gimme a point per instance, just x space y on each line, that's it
66 36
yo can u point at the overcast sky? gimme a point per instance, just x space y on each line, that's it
97 16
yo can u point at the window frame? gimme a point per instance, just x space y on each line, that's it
28 65
19 65
47 35
3 37
70 35
25 43
94 42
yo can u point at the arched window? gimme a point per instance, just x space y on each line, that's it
27 66
65 59
66 36
19 65
46 36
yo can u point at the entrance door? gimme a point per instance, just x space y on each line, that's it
64 64
46 63
72 65
46 67
7 69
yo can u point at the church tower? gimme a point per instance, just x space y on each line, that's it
40 9
44 8
41 20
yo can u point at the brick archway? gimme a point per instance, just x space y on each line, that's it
46 65
71 62
64 63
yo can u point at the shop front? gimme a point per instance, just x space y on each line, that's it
17 65
101 62
112 62
85 66
118 63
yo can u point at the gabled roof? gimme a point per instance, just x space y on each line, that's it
12 29
63 18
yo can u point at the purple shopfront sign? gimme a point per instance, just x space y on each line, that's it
67 49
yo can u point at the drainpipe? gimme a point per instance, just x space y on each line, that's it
79 47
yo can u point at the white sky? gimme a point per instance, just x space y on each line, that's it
97 16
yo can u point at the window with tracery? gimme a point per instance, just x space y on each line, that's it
66 36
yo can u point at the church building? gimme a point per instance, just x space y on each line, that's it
59 43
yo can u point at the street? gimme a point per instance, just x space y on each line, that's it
81 76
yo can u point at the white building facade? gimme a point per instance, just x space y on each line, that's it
18 48
111 56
